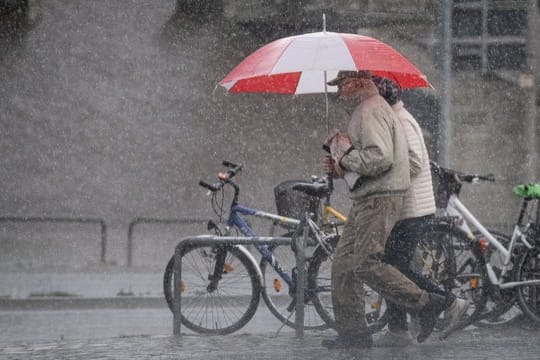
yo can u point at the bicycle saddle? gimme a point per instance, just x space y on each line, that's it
314 189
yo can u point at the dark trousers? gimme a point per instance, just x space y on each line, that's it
399 252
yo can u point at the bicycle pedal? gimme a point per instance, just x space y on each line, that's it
291 306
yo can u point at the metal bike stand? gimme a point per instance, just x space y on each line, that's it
238 240
300 253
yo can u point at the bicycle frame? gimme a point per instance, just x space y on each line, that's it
235 220
456 207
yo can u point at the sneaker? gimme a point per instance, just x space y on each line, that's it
349 342
454 313
429 314
399 338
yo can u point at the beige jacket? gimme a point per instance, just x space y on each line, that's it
419 200
380 148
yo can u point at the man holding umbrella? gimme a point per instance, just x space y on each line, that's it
375 150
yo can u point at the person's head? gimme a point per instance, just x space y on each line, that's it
350 83
388 89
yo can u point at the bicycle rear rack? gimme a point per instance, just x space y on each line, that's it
300 242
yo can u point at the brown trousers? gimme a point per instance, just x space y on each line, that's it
357 260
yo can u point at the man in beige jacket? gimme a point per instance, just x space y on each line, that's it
417 212
375 148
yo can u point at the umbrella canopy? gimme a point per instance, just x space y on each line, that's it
302 64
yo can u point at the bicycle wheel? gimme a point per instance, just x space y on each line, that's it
528 268
445 256
224 309
280 298
501 306
319 286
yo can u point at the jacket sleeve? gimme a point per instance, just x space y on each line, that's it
374 149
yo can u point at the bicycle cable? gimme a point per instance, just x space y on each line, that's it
217 206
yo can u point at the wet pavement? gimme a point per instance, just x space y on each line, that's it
30 326
514 343
100 330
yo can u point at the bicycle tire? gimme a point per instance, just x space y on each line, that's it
528 268
446 250
501 306
279 298
224 310
319 284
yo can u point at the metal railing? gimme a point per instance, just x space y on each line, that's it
101 222
300 242
142 220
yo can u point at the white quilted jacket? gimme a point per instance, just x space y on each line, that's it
419 200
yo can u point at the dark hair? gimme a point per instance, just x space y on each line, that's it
388 89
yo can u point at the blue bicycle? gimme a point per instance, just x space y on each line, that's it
221 285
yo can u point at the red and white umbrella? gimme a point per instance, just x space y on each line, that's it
303 64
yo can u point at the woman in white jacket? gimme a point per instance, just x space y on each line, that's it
418 210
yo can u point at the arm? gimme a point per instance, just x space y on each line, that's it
374 148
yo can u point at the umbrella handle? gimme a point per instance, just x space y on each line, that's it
330 186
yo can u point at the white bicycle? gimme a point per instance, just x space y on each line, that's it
498 271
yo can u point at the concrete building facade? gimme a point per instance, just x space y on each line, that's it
110 110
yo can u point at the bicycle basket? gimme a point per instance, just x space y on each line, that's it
295 204
444 185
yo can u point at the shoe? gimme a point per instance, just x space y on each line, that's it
414 326
399 338
454 313
349 342
429 314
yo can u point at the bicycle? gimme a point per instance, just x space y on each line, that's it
519 276
484 256
234 265
447 188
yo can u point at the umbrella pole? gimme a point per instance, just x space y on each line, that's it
327 120
326 103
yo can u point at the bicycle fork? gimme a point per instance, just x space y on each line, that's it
220 268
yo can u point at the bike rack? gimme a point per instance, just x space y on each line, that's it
101 222
300 242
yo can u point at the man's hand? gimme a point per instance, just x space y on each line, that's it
331 135
331 168
338 144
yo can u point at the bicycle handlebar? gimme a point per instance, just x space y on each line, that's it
464 177
224 178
